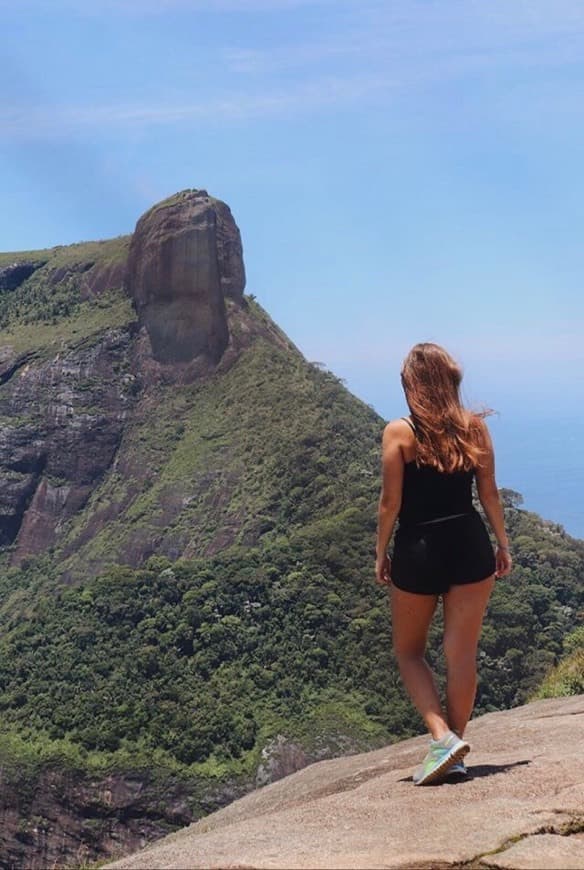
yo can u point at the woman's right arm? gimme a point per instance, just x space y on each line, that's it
491 502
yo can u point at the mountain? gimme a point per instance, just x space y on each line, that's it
187 605
100 456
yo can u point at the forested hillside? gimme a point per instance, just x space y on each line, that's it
182 672
187 601
207 658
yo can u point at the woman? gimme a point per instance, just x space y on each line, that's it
441 546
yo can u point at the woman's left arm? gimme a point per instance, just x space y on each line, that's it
392 464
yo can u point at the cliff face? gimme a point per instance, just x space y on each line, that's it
62 420
70 393
14 274
185 257
66 818
53 815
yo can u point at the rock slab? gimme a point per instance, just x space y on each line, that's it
185 258
522 807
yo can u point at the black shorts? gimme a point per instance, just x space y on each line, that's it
430 558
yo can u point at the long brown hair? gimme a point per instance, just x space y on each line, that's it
449 437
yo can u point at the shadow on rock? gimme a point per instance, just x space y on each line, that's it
493 769
475 772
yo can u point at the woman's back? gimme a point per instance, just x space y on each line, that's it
441 539
429 495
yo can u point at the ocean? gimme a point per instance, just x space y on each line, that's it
539 444
540 456
537 430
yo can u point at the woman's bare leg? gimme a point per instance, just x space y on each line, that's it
411 615
464 608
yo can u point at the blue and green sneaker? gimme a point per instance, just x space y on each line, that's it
441 756
458 769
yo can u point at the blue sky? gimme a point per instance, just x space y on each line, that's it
400 171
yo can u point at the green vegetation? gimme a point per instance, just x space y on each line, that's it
270 445
197 658
265 474
87 319
204 659
533 610
105 252
567 677
176 198
49 308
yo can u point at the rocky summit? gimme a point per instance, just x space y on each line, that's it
185 257
80 361
522 808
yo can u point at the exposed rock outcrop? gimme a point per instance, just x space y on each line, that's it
521 808
63 412
69 819
100 278
62 422
56 816
185 257
279 758
15 274
78 406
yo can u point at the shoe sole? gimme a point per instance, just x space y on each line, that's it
438 772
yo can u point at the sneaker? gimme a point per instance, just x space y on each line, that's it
441 756
458 770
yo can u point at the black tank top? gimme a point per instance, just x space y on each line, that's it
430 495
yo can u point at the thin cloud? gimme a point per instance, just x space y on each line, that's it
160 7
295 56
369 49
561 16
63 121
432 39
517 17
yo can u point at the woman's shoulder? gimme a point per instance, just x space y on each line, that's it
400 427
398 434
